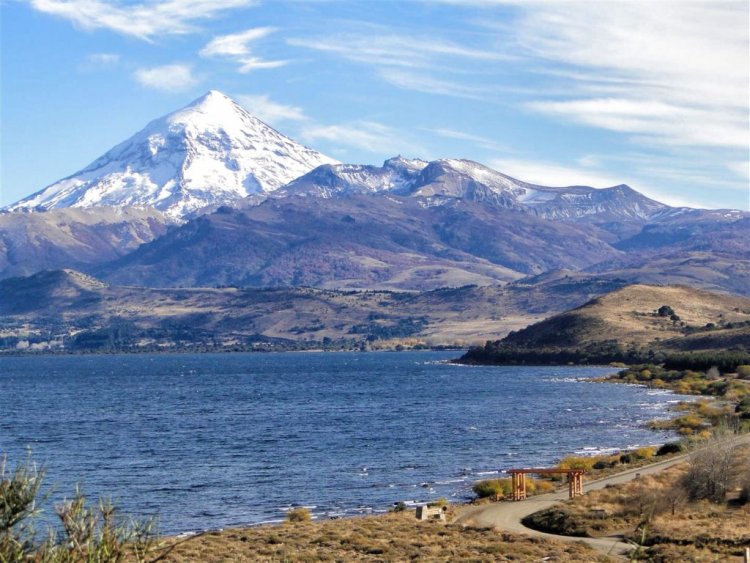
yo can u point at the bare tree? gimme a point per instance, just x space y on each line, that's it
709 474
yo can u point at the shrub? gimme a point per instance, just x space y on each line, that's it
492 488
442 501
88 534
665 311
743 372
18 491
743 408
670 448
300 514
399 506
577 462
744 497
499 488
539 486
644 453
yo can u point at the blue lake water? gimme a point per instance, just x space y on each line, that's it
215 440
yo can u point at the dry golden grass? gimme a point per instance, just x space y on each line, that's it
390 537
675 529
627 314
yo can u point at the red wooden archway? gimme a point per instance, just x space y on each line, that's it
518 477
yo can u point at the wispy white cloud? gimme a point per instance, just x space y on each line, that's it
428 84
741 168
672 73
369 136
269 111
142 20
254 63
476 140
168 78
236 46
389 49
553 174
652 120
99 61
406 61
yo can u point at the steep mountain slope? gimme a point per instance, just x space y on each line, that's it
211 152
73 238
360 241
700 248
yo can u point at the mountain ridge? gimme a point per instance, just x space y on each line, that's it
409 224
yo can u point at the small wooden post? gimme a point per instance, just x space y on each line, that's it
747 555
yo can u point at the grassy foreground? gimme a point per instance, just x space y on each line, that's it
667 513
388 537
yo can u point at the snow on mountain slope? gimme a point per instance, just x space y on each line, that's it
397 174
621 202
441 181
211 152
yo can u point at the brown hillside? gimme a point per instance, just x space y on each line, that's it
630 316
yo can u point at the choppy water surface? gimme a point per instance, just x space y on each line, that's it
210 441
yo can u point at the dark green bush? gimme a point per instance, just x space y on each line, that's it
603 464
670 448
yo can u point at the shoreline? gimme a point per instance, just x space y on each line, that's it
495 474
158 352
463 499
475 503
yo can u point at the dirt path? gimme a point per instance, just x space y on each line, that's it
508 515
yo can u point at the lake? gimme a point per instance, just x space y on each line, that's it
217 440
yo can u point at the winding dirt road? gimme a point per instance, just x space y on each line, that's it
508 515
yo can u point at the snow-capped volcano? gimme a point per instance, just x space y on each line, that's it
211 152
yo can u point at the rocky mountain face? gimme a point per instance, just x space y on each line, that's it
211 152
447 179
361 241
73 238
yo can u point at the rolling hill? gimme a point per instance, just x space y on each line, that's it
69 310
634 323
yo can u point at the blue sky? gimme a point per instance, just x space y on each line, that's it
652 94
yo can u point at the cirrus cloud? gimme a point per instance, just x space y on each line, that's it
142 20
269 111
167 78
236 46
